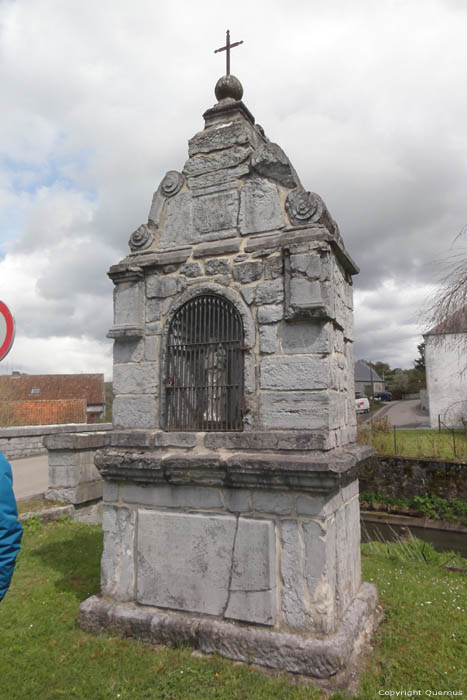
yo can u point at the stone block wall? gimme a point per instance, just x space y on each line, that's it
269 557
295 300
19 442
73 477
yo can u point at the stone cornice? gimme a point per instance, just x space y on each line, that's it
319 472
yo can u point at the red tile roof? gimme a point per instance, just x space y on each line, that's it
37 412
20 387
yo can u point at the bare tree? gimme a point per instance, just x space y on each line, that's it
448 304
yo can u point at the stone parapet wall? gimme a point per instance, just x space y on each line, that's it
27 441
73 478
405 477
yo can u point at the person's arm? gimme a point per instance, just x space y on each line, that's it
10 528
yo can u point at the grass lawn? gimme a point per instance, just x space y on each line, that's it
415 443
421 645
32 505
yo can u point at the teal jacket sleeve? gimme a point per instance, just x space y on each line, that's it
10 528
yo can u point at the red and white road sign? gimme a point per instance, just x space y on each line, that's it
7 330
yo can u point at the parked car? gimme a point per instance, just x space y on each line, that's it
383 396
362 405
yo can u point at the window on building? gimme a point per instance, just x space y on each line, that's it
35 390
204 383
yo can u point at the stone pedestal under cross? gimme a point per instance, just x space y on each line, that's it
231 513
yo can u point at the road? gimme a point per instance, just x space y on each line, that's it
404 414
30 476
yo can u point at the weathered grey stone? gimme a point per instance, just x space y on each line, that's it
197 497
317 506
270 314
260 207
152 348
217 248
227 158
267 339
131 438
309 264
304 293
162 287
117 564
80 494
191 270
128 350
172 183
294 594
248 294
265 440
249 373
137 411
157 206
308 337
319 574
162 259
292 373
270 161
248 272
217 266
110 491
253 582
270 292
275 502
296 410
216 212
177 228
175 439
237 500
235 134
273 267
135 378
128 304
88 438
217 179
296 653
241 258
153 310
141 238
184 560
154 328
224 280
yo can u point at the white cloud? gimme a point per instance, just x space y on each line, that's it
366 98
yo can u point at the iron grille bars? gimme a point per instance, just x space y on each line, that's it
204 386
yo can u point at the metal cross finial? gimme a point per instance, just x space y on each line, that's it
227 48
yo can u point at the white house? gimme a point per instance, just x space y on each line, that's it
446 371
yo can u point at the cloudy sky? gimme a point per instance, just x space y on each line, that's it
99 99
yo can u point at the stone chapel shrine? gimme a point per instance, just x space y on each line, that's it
231 513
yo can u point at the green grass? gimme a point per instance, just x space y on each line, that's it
429 505
44 655
415 443
32 505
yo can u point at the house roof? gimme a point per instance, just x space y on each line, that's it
49 387
42 412
363 373
455 323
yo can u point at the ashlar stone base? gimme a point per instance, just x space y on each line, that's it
331 658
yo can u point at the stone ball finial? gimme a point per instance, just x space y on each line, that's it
228 86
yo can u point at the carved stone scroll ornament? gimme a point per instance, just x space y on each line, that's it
303 207
141 238
172 183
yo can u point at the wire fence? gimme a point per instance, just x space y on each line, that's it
441 443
